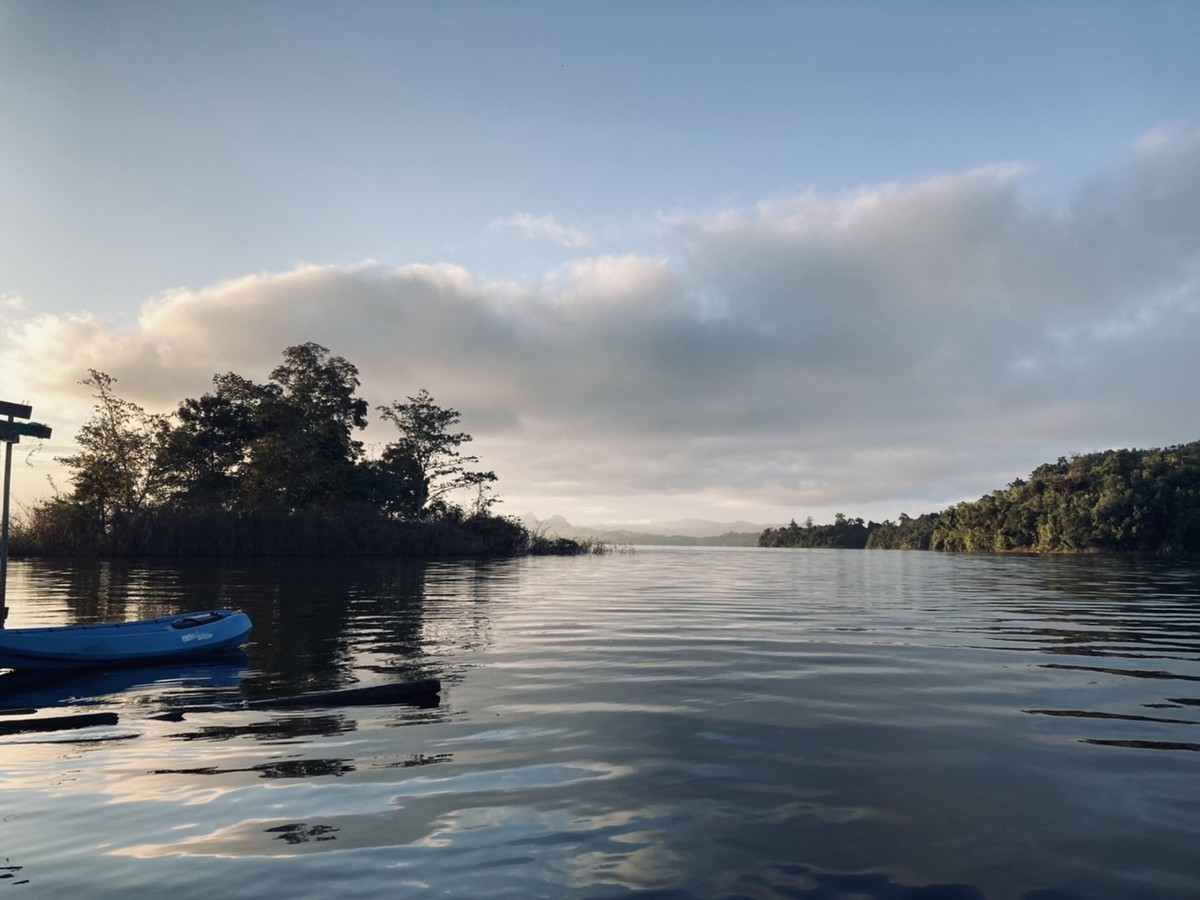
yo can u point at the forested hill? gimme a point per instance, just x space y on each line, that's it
1117 501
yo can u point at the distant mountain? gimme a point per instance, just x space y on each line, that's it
685 532
699 528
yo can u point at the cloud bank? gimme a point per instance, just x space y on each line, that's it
895 348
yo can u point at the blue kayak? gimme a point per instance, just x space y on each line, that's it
123 643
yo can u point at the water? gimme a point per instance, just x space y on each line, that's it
674 722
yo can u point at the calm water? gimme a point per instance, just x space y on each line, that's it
668 723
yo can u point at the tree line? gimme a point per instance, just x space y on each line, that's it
843 534
1115 501
272 468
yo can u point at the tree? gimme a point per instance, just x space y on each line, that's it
115 472
304 452
843 533
395 484
288 442
323 386
426 460
204 455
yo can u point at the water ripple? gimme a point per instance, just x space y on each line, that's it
669 723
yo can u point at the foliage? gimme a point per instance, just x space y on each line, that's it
1116 501
1138 501
907 534
304 452
425 462
115 471
288 442
843 534
205 453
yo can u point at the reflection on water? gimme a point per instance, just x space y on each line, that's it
11 875
299 833
674 722
215 680
287 768
275 729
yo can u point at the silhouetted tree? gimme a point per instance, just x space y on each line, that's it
205 454
426 460
115 472
304 451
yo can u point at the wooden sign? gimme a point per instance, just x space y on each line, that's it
11 432
19 410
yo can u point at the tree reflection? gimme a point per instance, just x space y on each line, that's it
301 833
10 873
1109 623
283 728
284 768
1114 608
417 759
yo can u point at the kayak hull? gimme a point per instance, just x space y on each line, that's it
185 636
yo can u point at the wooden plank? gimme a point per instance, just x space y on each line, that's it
12 431
20 410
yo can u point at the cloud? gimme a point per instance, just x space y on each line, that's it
544 228
893 348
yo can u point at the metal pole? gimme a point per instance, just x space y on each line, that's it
4 533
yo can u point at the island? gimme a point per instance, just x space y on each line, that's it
274 469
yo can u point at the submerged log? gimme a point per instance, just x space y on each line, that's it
58 723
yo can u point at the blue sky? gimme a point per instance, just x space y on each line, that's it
724 260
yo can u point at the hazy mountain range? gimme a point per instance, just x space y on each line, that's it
683 532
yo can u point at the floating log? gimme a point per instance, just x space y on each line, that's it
58 723
375 695
413 693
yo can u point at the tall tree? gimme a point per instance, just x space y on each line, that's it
115 473
204 455
427 456
288 442
305 452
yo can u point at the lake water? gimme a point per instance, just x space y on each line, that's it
673 722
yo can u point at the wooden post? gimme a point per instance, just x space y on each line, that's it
10 433
4 534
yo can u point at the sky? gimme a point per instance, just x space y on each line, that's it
729 261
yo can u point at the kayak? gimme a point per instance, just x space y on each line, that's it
184 636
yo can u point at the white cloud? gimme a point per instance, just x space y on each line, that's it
1167 137
894 348
544 228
